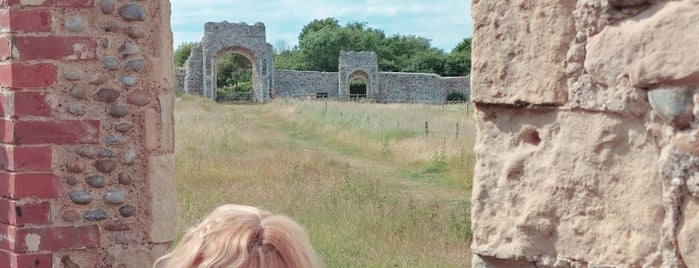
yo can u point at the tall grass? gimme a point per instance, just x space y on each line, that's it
369 186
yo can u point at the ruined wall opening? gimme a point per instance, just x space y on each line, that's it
234 76
358 85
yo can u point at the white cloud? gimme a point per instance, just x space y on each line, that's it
445 23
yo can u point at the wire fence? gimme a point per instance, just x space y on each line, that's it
369 119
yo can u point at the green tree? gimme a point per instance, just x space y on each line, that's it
321 41
317 25
320 47
412 54
182 53
287 57
289 60
234 72
459 61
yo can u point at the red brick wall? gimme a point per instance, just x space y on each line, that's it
69 134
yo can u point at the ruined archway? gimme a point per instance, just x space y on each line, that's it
223 38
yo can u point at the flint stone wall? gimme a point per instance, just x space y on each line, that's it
294 84
413 87
392 87
587 151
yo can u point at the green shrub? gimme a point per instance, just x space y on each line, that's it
456 97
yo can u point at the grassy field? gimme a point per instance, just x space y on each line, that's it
369 186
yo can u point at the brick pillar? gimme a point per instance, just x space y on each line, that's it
86 136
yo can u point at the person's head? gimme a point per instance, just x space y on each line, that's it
242 236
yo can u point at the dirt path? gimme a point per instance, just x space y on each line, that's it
381 169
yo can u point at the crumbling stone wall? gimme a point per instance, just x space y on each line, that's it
412 87
180 75
86 153
194 79
222 38
390 87
587 145
295 84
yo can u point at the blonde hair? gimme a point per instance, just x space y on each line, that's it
235 236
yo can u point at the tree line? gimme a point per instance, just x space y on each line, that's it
320 43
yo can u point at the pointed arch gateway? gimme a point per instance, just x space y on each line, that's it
223 38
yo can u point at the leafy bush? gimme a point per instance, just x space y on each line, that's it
244 86
456 97
182 53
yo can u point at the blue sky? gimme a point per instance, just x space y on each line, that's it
445 22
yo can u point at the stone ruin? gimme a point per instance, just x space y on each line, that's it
87 157
358 65
588 147
249 41
220 39
382 87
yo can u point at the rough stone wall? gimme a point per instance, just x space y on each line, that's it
222 38
411 87
194 79
86 153
587 146
390 87
293 84
180 75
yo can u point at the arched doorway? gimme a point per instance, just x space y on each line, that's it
234 76
358 85
221 39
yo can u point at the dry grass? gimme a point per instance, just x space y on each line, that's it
371 189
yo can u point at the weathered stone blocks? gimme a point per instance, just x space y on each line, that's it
651 49
525 58
593 161
162 186
570 198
